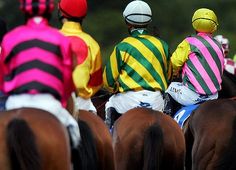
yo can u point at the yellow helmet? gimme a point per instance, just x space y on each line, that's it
204 20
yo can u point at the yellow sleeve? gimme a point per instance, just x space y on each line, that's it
111 72
88 75
180 56
81 76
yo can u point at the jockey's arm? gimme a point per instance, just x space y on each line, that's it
111 72
81 76
179 57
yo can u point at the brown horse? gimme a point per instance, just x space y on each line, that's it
102 138
144 139
210 135
32 139
228 85
100 133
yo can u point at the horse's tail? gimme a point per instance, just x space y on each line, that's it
153 148
228 159
88 159
21 145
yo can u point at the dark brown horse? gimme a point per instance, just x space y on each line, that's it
210 135
145 139
228 85
32 139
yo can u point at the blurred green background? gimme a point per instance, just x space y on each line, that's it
171 20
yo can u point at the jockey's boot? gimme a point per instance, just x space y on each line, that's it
171 106
111 116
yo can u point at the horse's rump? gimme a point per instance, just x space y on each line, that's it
208 134
133 127
102 137
39 135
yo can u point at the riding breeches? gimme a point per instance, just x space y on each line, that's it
185 96
48 103
84 104
123 102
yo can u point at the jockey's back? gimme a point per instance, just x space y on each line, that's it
47 67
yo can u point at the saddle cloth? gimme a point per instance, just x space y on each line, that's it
183 114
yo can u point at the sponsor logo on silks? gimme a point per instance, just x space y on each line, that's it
175 90
183 114
144 104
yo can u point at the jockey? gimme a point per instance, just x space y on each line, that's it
3 31
230 64
201 60
138 69
36 66
87 75
224 43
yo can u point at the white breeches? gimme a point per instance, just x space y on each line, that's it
185 96
48 103
123 102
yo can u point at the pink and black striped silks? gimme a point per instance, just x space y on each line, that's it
36 58
37 7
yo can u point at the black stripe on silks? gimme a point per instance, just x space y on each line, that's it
35 64
47 6
24 5
25 45
41 88
35 6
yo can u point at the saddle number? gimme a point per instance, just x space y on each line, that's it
179 115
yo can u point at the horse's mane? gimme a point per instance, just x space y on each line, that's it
227 160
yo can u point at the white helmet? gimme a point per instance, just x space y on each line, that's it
224 43
138 13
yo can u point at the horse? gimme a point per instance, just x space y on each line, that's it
100 134
29 141
144 139
102 138
210 135
228 85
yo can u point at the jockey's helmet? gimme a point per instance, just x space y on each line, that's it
224 42
204 20
73 8
37 8
138 13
